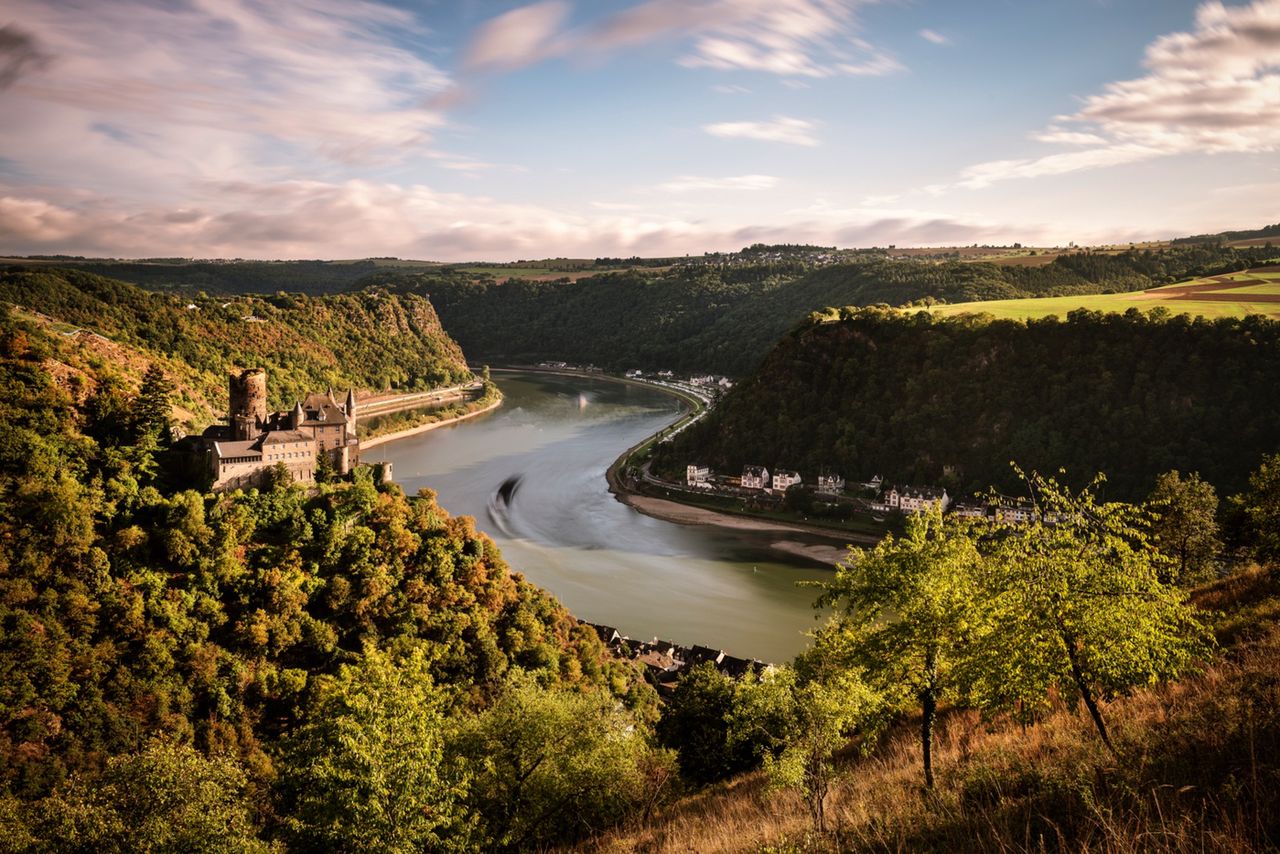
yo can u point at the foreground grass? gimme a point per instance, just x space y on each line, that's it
1198 769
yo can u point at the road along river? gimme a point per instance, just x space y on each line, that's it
532 474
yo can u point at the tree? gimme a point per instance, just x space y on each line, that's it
1261 505
802 716
1184 522
695 723
366 770
550 766
165 798
1076 600
325 470
153 408
905 613
279 477
798 499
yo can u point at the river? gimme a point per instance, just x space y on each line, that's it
607 562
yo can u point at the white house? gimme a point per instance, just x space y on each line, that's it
755 477
916 499
830 484
969 511
784 480
697 476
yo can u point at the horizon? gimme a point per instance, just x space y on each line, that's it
465 132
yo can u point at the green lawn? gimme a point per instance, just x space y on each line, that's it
1243 301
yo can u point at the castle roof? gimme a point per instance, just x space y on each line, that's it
280 437
246 448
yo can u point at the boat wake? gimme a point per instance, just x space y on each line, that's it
500 504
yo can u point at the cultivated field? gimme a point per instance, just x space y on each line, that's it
1254 291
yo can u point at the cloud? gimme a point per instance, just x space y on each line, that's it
1058 136
219 82
805 38
780 129
934 36
730 89
355 219
19 53
690 183
1210 91
520 37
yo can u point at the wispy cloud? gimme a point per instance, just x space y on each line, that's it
934 36
520 37
785 129
1213 90
215 85
796 38
690 183
351 219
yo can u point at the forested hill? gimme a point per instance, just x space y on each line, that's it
952 402
341 668
91 330
723 318
224 278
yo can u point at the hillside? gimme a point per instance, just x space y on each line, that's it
90 329
1195 770
952 401
723 317
336 668
1254 291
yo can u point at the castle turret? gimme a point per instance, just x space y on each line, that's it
296 416
350 409
248 410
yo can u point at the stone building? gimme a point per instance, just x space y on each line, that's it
253 441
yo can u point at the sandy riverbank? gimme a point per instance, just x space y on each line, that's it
365 444
684 514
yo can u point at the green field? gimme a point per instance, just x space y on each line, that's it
1233 295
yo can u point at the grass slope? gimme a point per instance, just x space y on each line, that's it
1198 769
1255 291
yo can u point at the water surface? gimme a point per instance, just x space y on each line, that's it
607 562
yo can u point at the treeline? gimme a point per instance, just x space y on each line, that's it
724 318
1226 236
951 401
366 340
229 277
338 669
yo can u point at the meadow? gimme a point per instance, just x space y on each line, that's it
1255 291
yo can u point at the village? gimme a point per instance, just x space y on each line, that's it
874 497
665 662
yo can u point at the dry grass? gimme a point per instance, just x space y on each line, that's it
1198 770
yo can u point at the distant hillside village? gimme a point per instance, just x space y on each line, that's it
318 434
873 496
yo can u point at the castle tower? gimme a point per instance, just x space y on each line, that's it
248 411
350 409
296 416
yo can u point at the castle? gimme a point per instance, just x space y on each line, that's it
243 451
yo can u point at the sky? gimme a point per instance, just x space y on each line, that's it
485 129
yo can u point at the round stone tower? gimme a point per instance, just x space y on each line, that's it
248 402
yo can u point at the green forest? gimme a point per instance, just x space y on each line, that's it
952 401
341 669
723 318
92 330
